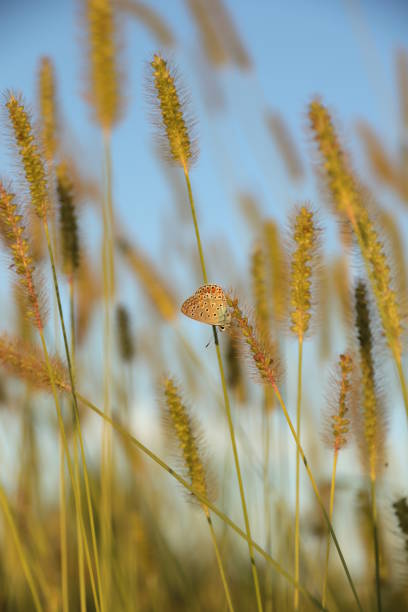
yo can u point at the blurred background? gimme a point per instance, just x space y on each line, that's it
250 70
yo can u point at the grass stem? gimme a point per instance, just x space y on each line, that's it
326 564
20 550
297 509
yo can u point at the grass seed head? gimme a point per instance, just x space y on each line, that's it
171 116
29 154
305 238
48 108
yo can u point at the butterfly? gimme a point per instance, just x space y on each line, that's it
208 305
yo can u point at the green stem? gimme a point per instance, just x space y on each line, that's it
219 561
297 512
203 500
318 496
80 549
226 403
267 493
108 278
76 415
326 564
20 550
402 382
376 544
63 532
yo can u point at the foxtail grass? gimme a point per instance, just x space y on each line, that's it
372 438
178 144
48 109
188 440
20 550
269 372
105 96
349 202
338 428
305 247
262 313
35 176
65 387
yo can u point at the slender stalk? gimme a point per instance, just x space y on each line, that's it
326 564
80 549
402 382
203 500
266 493
226 402
376 544
108 281
63 531
297 512
219 561
20 550
76 415
318 496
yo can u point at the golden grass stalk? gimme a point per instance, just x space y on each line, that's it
185 431
372 441
305 242
268 373
29 152
338 430
303 261
125 340
259 289
277 271
106 101
173 124
35 175
47 108
150 18
211 41
124 432
155 287
348 199
24 361
103 68
12 231
396 246
20 550
229 33
175 127
285 145
68 220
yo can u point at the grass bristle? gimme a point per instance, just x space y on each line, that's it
305 252
67 219
184 430
104 91
29 153
48 108
12 231
171 115
372 415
